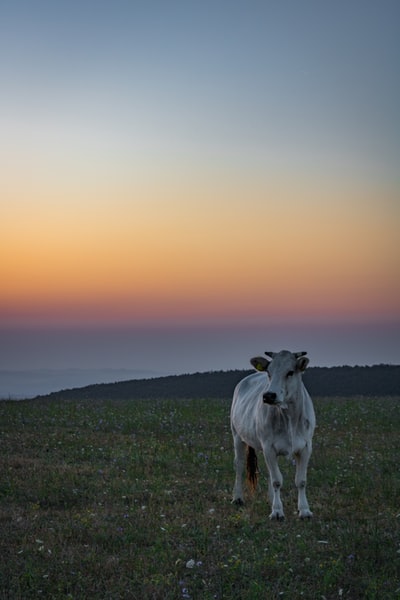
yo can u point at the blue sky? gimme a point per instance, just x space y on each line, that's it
293 85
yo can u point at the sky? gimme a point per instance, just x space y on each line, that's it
184 183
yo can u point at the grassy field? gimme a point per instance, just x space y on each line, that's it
119 500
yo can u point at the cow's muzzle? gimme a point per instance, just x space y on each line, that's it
269 398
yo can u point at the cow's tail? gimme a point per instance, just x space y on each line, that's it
252 468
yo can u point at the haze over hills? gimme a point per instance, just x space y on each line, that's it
377 380
28 383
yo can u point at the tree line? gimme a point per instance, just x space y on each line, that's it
377 380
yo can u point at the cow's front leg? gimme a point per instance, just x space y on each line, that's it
275 484
302 459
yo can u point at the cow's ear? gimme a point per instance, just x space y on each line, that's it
302 363
260 363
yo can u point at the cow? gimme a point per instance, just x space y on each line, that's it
272 412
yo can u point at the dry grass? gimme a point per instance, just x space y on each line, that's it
131 499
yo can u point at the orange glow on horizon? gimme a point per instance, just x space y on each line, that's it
191 249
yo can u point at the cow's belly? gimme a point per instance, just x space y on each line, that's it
285 445
248 434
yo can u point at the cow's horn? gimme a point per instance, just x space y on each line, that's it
271 354
298 354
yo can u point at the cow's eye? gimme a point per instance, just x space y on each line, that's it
290 374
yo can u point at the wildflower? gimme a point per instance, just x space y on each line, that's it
184 590
190 564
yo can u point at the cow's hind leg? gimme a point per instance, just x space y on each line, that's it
302 459
275 485
239 463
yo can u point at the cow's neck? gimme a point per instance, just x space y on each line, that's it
295 406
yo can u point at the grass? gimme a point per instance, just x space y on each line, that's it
131 500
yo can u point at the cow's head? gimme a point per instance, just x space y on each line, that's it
284 371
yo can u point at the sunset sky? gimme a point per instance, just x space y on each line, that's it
199 180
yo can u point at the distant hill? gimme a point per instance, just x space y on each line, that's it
377 380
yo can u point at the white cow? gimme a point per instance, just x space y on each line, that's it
273 412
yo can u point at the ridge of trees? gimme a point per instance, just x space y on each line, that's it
376 380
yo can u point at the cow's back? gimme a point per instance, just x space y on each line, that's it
246 403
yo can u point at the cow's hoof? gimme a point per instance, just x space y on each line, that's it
305 515
276 515
238 502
